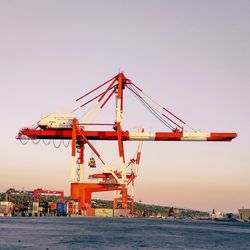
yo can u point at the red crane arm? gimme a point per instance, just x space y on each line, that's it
126 135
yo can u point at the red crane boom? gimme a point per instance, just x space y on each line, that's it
126 135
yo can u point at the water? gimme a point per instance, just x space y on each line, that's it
120 233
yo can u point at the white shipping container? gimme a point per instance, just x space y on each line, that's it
7 208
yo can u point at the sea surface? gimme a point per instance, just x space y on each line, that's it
120 233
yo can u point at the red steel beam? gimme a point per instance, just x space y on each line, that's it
125 135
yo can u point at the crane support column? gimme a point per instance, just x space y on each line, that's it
82 162
119 113
73 160
77 164
124 197
133 196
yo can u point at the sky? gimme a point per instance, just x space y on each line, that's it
191 56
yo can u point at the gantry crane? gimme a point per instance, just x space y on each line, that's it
67 127
39 191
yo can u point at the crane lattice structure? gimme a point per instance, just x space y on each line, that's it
68 127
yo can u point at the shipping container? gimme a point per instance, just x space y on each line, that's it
61 209
6 208
35 208
104 212
76 207
244 214
121 212
52 208
72 208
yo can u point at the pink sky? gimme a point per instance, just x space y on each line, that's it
192 56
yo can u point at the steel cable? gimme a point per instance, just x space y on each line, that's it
66 145
164 109
57 146
46 143
150 108
24 143
35 141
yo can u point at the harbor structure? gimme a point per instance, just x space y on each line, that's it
67 126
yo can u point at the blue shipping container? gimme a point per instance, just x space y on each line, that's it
61 208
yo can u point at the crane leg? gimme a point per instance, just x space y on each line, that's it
124 197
